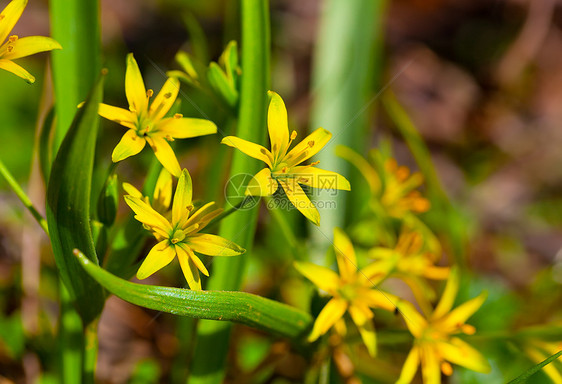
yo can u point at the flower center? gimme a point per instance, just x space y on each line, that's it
178 236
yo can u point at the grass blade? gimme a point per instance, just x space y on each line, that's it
531 371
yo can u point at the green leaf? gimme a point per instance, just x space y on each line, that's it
68 206
45 147
221 85
239 307
531 371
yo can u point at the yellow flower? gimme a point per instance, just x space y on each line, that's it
394 188
284 168
14 47
162 196
410 261
147 123
352 291
435 345
179 236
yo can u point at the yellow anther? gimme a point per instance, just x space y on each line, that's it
178 116
311 143
315 163
263 150
446 368
13 38
169 138
168 95
402 173
10 48
293 135
2 17
149 93
284 170
468 329
190 207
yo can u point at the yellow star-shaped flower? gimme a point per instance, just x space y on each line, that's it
352 291
284 168
180 235
14 47
148 124
435 344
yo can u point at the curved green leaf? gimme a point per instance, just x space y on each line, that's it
531 371
68 206
239 307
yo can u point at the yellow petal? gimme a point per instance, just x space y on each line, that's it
147 215
377 271
10 16
159 256
164 100
10 66
431 370
134 86
190 271
376 298
203 216
320 178
182 199
410 367
332 312
449 294
300 201
165 154
368 172
363 319
415 322
194 259
345 255
459 352
277 125
213 245
119 115
130 145
184 128
27 46
163 189
307 148
322 277
436 273
132 191
460 315
251 149
262 184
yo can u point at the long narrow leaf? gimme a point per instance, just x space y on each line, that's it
239 307
68 206
531 371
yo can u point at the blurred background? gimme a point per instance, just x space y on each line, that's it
480 79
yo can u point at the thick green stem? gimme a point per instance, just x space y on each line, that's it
90 351
213 337
23 196
71 340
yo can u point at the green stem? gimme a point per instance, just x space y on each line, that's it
281 220
71 340
23 197
209 361
225 214
90 351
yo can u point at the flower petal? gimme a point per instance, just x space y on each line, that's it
449 294
262 184
376 298
202 216
345 256
185 127
159 256
320 178
134 87
332 312
415 322
164 100
132 191
182 205
363 319
10 16
163 189
251 149
147 215
277 125
307 148
431 370
119 115
461 353
194 259
322 277
213 245
460 314
165 154
299 199
129 145
10 66
190 271
410 366
27 46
